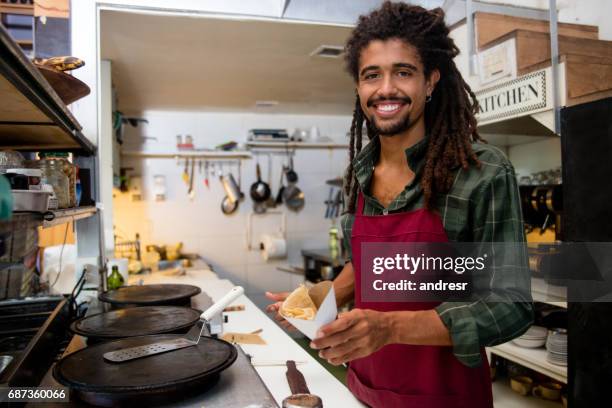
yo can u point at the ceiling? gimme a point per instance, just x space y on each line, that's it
197 63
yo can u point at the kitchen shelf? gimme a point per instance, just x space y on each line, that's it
534 359
68 215
60 217
191 154
295 145
32 115
540 293
504 397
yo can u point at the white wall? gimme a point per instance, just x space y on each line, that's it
537 156
199 224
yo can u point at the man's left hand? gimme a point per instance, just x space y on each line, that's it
353 335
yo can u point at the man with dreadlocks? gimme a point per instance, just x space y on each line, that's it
426 165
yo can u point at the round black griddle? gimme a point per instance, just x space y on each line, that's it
150 295
136 321
155 379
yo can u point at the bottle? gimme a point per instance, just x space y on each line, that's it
333 241
115 280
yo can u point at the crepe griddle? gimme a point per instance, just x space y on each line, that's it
150 295
137 321
155 379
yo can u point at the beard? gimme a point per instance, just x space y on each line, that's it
393 128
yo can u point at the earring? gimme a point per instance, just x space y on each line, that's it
428 99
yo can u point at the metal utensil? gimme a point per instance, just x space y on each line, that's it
301 396
206 175
293 197
185 174
281 188
329 210
191 191
192 338
271 201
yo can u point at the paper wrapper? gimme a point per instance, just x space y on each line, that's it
323 298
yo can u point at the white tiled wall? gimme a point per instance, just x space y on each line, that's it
199 224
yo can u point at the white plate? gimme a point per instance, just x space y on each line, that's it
527 343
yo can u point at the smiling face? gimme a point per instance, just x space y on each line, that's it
392 85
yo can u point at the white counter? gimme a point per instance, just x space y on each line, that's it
279 345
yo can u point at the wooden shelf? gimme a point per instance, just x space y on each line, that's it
59 216
210 155
69 215
534 359
32 115
23 9
295 145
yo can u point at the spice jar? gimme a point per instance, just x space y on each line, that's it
68 169
53 174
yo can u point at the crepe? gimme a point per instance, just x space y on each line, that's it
299 305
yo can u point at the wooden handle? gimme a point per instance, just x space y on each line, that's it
296 380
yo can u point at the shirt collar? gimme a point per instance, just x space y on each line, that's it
367 158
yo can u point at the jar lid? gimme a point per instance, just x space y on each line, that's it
53 154
26 172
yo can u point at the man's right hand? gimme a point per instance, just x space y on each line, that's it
275 308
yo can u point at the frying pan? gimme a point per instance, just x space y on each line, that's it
260 190
136 321
145 381
150 295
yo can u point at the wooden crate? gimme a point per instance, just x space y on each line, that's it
490 27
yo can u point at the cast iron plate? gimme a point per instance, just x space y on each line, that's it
174 373
137 321
150 295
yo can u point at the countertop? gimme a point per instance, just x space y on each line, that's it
279 345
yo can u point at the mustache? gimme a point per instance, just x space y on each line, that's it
405 99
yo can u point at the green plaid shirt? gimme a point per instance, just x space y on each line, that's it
483 205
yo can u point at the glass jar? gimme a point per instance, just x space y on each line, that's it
53 174
68 169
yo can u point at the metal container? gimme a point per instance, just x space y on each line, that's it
30 200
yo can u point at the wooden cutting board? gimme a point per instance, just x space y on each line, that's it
68 88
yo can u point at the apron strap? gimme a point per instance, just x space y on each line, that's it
360 203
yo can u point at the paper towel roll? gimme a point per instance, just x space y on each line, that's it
273 247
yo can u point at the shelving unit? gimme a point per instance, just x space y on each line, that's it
209 155
534 359
33 118
54 217
32 115
504 397
295 145
69 215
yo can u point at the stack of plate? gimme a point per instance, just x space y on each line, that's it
556 346
534 337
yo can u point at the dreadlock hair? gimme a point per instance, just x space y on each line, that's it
449 116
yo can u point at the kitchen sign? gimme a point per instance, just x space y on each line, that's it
518 97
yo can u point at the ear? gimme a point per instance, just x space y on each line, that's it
432 81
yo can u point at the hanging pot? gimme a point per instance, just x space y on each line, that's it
260 190
293 197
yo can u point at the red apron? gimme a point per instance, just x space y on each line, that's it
410 376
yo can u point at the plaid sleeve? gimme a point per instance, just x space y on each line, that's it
502 308
346 223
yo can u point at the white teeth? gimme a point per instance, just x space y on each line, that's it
388 108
